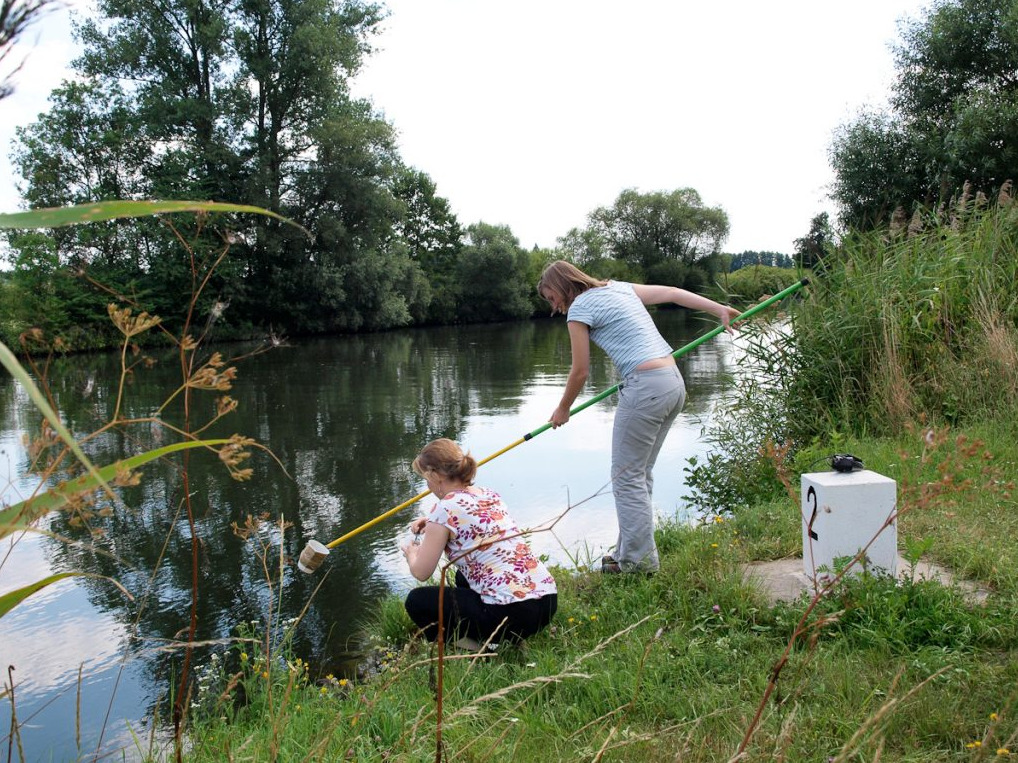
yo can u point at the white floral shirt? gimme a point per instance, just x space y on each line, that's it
501 571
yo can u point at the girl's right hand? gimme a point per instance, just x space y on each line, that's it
559 417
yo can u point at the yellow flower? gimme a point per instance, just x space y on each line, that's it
323 690
713 545
593 617
1003 751
243 656
571 620
343 682
993 716
972 745
265 674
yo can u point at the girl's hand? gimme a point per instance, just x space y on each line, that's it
559 417
417 526
726 315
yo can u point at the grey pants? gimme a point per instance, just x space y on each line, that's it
649 401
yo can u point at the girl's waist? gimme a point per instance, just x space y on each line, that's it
650 365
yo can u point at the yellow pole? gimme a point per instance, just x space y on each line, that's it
412 501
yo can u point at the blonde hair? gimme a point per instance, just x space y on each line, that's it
446 458
566 280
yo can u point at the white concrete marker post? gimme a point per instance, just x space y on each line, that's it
841 513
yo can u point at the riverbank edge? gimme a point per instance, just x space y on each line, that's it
687 660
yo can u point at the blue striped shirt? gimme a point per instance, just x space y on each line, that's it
620 325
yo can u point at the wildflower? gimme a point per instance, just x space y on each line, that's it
1003 751
993 716
713 545
265 674
323 690
243 656
571 620
343 682
973 745
719 519
593 617
716 608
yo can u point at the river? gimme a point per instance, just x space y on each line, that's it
343 418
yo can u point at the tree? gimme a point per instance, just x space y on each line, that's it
434 239
954 116
584 246
247 101
770 259
811 249
878 165
492 278
648 229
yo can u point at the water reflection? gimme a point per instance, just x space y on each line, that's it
344 417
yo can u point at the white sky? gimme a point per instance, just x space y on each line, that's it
531 113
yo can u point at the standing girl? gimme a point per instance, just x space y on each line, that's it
503 592
614 315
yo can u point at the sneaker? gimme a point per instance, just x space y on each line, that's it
467 644
609 566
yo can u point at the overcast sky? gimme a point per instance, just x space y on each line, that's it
532 113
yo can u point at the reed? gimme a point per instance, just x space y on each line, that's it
912 319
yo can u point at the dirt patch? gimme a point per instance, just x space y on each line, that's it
785 580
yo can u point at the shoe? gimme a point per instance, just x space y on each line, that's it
467 644
609 566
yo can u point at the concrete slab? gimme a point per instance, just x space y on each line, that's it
784 579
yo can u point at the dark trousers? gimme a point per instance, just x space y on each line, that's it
467 616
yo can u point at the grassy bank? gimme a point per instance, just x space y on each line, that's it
695 664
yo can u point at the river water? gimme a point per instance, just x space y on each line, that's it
343 417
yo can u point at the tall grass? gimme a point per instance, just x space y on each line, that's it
693 664
916 320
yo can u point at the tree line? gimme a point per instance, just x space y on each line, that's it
249 101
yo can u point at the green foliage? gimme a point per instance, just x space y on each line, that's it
220 107
664 237
743 259
648 229
492 276
910 321
878 611
953 122
742 466
434 239
753 282
819 241
675 273
646 667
